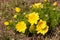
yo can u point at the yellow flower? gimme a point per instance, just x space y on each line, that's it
43 31
42 27
37 5
32 27
55 3
33 18
21 26
15 16
42 24
46 0
6 23
17 9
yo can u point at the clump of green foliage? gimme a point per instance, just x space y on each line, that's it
48 12
40 18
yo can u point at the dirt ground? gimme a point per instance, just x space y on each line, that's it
7 8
